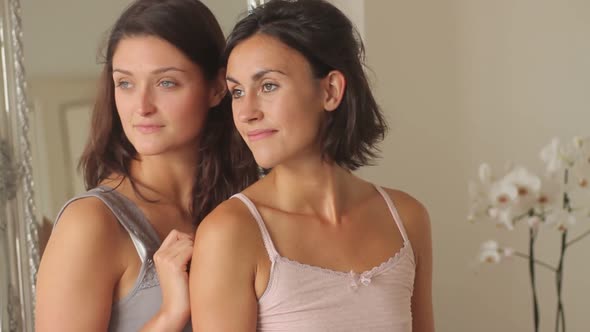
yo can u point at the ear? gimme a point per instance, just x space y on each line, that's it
334 85
218 89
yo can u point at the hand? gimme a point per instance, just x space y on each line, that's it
171 261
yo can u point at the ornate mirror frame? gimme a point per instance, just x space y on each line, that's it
19 249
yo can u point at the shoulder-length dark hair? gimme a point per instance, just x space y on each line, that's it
329 41
225 166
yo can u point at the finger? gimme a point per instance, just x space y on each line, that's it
171 248
183 235
182 260
178 262
180 249
170 238
168 254
174 236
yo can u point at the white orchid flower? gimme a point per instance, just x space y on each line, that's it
534 222
526 182
479 195
503 193
506 219
503 217
518 189
560 219
550 195
557 156
551 156
580 173
490 252
507 252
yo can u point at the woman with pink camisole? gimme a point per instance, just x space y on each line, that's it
310 246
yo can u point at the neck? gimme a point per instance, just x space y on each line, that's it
168 179
317 188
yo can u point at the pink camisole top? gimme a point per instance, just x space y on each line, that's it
301 297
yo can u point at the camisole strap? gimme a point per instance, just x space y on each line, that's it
144 237
393 210
268 244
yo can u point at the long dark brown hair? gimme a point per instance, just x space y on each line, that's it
225 166
328 40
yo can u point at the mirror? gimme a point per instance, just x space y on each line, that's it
44 123
63 65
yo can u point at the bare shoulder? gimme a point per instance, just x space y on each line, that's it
89 227
83 250
415 218
227 247
230 226
224 268
79 269
409 207
88 217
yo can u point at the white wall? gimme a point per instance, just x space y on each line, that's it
468 81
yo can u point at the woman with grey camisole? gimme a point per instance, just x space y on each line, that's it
162 153
135 309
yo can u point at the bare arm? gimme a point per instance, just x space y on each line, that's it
222 273
83 264
79 270
417 224
423 316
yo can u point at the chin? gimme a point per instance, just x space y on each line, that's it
265 164
148 153
148 150
267 161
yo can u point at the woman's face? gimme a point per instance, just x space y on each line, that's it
278 105
162 97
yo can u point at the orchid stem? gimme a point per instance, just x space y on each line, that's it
539 262
577 238
532 237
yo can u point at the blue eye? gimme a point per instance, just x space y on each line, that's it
167 84
123 84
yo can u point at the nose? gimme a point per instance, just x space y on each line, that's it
248 109
145 105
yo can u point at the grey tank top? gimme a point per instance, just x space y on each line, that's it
133 311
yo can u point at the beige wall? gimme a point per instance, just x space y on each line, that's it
64 37
52 97
355 10
468 81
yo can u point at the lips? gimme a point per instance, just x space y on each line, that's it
148 128
259 134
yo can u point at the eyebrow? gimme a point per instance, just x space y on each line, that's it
257 76
157 71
